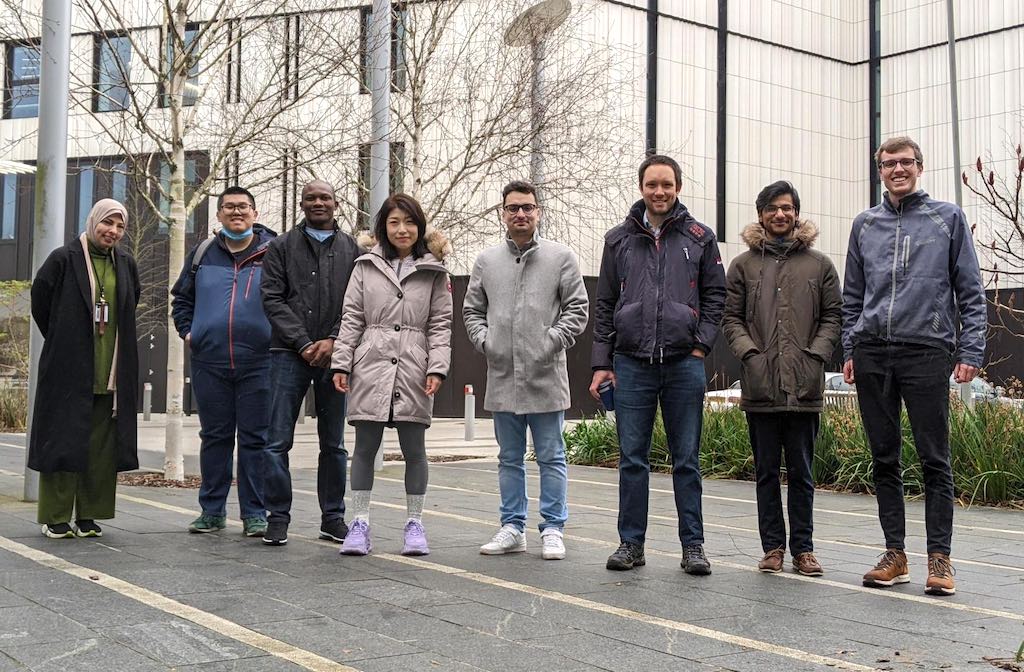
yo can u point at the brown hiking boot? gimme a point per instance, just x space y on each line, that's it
771 563
807 564
940 575
890 570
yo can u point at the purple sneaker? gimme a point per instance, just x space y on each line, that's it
357 542
415 539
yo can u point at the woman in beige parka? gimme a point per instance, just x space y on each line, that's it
391 355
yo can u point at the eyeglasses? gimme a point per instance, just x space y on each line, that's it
890 164
236 207
513 208
772 209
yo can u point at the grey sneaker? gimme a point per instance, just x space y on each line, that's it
627 556
552 547
509 539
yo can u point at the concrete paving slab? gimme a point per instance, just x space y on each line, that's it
83 655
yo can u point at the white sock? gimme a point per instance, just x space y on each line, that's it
361 505
414 504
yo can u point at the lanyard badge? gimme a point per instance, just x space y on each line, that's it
101 315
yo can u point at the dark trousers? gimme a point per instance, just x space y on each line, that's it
679 387
771 436
290 377
230 401
919 375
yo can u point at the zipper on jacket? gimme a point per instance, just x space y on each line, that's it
231 318
895 261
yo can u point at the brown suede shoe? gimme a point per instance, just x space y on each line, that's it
940 575
807 564
771 563
890 570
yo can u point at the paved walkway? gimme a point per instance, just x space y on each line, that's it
149 596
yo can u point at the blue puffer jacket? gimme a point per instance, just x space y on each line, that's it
912 276
220 304
658 299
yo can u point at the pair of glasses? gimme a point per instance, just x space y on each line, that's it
236 207
527 208
890 164
772 209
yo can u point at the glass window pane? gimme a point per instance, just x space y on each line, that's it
119 183
86 184
115 54
24 78
191 86
9 196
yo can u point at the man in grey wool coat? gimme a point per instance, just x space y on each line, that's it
525 306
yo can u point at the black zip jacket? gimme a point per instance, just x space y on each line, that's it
304 283
658 299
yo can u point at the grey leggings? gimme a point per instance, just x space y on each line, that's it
414 449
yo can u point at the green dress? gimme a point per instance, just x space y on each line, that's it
90 495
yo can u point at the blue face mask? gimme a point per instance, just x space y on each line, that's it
318 234
236 236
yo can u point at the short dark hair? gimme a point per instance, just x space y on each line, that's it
661 160
773 191
411 207
893 145
235 190
520 187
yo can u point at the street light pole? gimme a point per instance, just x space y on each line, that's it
379 43
51 175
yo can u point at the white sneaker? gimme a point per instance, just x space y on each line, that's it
507 540
552 547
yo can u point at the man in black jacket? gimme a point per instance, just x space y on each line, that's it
305 274
660 297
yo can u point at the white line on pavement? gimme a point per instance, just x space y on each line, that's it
927 601
591 605
961 526
733 528
274 647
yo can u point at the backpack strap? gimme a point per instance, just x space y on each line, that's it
197 258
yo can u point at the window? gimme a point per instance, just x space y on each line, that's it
191 182
8 206
86 192
397 175
231 162
21 81
186 52
234 62
399 17
112 58
119 183
291 58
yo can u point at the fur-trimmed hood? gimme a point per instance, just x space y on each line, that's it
437 243
805 232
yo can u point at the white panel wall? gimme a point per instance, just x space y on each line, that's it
818 26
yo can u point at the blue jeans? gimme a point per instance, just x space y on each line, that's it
639 385
290 377
232 400
546 428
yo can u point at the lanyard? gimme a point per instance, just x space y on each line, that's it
101 311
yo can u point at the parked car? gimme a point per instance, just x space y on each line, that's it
836 389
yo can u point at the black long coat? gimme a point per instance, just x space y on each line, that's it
62 307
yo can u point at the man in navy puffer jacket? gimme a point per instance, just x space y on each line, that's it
218 311
912 283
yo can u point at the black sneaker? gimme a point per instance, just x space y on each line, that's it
276 534
627 556
58 531
87 528
334 530
694 561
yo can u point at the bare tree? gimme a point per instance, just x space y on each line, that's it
236 79
1003 245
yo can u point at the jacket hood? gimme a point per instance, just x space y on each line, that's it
437 243
805 232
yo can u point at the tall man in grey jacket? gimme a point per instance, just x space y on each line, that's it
912 279
660 298
782 318
525 306
305 275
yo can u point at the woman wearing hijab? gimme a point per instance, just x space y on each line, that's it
83 422
391 356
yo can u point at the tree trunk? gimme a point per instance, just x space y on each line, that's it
174 463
